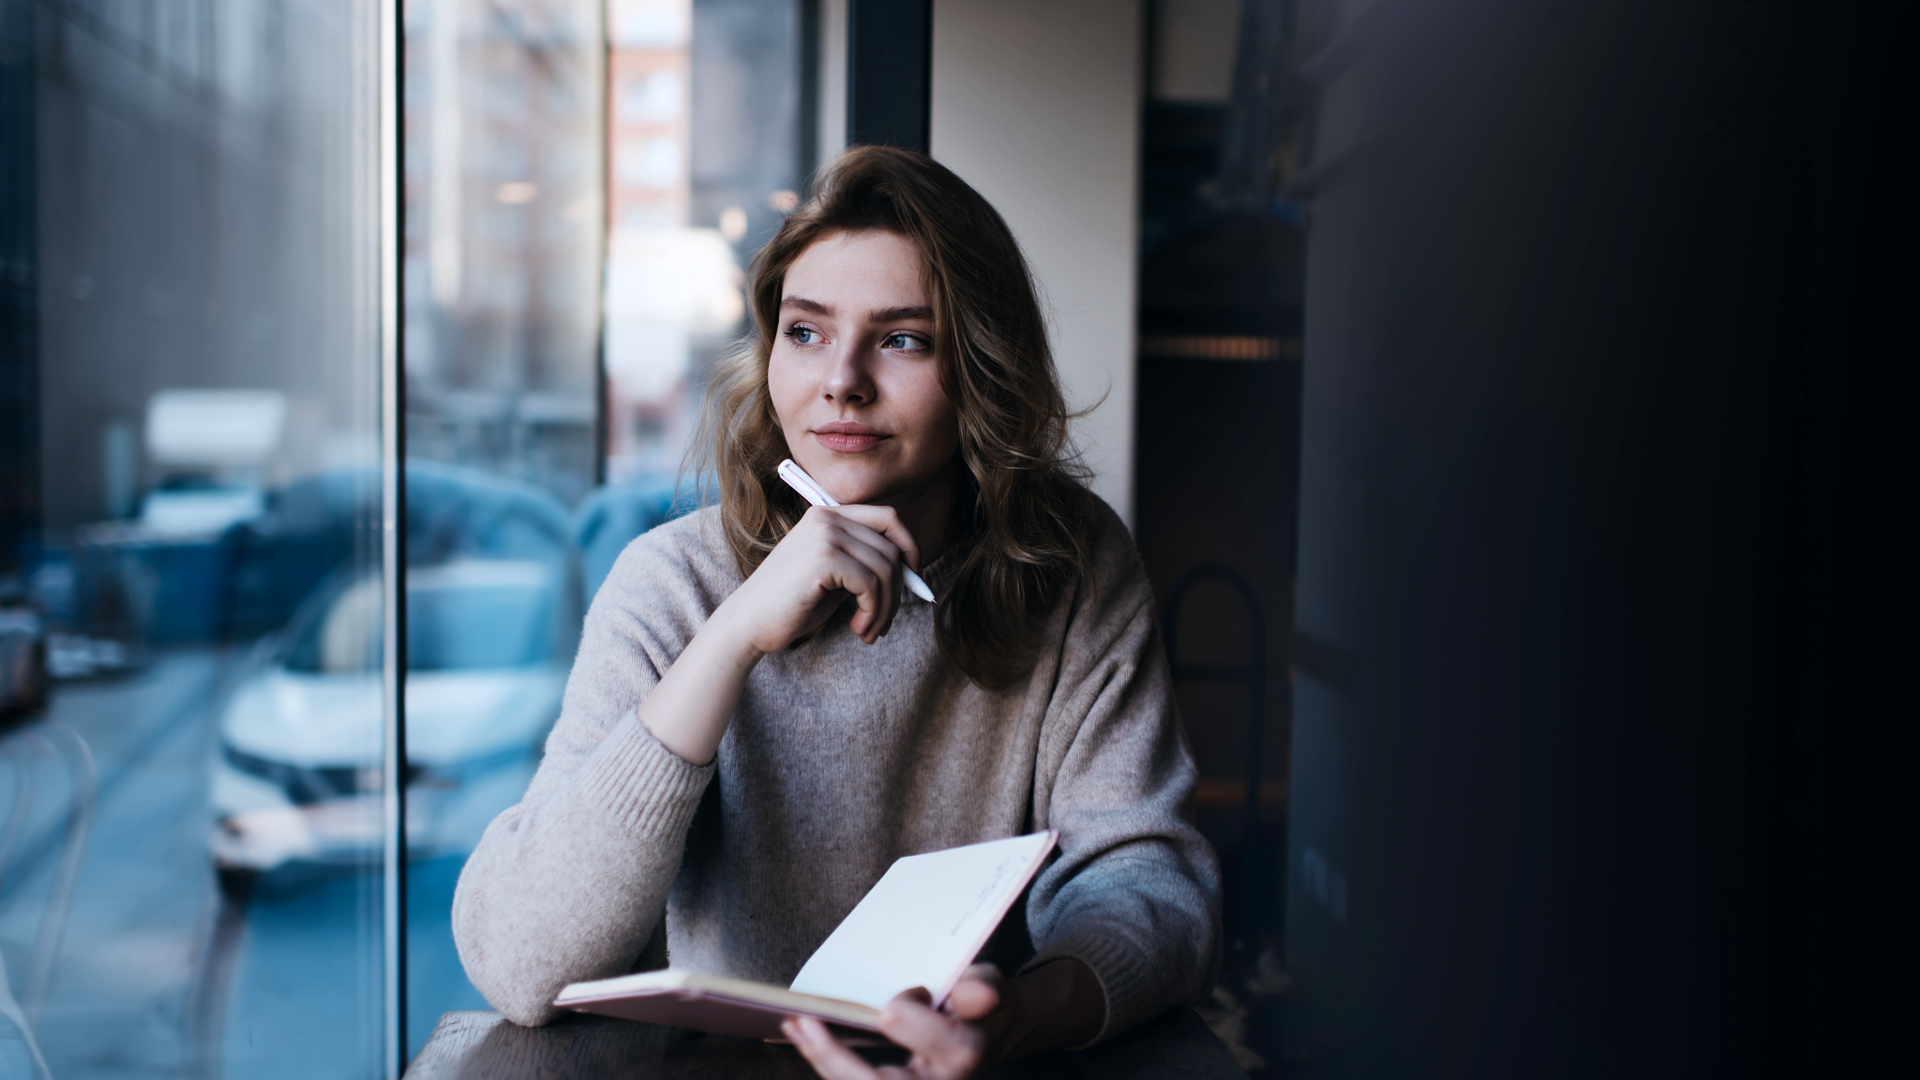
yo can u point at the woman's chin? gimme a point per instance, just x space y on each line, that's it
885 475
854 479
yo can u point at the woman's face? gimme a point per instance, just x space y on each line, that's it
852 374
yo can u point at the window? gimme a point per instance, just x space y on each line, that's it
194 667
584 187
190 877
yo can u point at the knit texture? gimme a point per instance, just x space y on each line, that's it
841 758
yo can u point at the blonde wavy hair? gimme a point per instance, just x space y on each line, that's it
1022 532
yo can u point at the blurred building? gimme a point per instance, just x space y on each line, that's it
706 150
554 233
502 112
199 172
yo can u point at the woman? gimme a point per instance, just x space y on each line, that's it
761 720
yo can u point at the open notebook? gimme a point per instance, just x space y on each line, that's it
920 925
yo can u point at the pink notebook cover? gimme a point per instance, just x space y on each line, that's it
721 1015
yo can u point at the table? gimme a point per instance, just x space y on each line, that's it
484 1046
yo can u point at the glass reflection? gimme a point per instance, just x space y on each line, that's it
199 342
491 620
535 219
504 153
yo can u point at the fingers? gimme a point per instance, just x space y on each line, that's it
864 563
885 521
824 1052
943 1046
976 994
833 552
986 973
878 593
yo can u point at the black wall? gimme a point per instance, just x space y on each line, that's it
1216 430
19 288
1596 565
889 72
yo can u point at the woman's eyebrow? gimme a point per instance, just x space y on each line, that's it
902 314
805 304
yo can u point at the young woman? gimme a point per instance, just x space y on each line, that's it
761 719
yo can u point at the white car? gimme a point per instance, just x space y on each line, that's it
298 781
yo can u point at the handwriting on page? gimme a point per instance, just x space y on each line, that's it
922 922
989 895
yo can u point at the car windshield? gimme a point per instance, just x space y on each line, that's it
461 614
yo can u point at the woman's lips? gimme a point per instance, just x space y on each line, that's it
848 437
847 442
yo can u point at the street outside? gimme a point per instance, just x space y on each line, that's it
155 974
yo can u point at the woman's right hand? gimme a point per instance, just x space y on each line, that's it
830 554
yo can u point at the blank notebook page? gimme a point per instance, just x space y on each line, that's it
920 925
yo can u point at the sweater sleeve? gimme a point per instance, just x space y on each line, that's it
1135 893
571 883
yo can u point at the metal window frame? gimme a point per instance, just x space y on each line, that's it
890 73
388 15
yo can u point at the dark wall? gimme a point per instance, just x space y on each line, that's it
890 73
19 280
1217 429
1598 363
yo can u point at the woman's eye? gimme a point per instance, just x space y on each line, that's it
802 335
903 341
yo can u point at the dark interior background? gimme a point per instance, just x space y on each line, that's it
1221 293
1595 662
1560 450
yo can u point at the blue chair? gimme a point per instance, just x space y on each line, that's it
609 518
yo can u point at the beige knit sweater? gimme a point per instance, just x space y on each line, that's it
841 758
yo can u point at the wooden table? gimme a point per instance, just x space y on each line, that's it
483 1046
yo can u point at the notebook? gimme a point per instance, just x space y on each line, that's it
920 925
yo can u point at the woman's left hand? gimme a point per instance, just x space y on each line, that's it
986 1020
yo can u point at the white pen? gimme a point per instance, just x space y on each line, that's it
798 480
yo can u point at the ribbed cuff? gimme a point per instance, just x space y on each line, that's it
641 784
1123 973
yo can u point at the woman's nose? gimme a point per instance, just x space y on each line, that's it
848 381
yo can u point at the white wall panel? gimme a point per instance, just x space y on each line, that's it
1036 103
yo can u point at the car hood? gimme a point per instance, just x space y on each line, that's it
334 720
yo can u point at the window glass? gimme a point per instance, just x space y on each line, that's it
584 184
503 249
705 147
190 755
480 615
